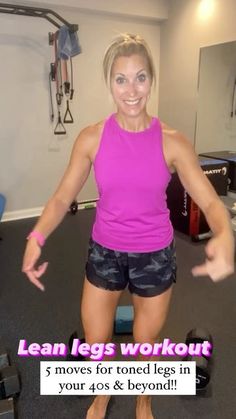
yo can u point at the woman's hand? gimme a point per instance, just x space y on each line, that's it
31 256
220 258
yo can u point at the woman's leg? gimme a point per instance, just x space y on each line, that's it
149 317
97 312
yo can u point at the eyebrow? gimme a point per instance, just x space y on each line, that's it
140 71
121 74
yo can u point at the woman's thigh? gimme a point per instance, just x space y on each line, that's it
98 309
150 314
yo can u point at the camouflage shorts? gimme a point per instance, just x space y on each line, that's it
146 274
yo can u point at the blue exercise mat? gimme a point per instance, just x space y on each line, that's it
2 205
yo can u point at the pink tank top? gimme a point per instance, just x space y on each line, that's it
132 177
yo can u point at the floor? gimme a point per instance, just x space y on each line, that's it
26 313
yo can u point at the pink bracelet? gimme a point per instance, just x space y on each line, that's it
38 236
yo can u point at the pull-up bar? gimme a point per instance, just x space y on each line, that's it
36 12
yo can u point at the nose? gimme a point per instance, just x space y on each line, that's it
131 89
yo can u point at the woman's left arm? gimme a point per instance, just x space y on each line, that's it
219 262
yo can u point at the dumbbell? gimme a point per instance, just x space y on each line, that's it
9 379
78 357
74 207
9 382
7 409
203 364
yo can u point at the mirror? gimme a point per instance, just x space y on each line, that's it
216 112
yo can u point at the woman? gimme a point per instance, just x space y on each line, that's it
133 155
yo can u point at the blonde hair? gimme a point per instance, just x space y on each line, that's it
126 45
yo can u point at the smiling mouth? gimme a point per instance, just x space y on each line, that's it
132 102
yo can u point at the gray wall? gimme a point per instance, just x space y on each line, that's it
150 9
32 158
182 35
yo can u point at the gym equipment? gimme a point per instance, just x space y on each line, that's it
66 45
2 204
59 128
229 157
7 409
124 320
37 12
203 363
198 335
87 204
68 118
79 357
56 76
9 382
74 207
9 379
68 90
185 214
9 385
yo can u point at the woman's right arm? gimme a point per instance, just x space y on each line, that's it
72 182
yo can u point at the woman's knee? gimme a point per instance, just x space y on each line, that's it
103 335
142 335
147 329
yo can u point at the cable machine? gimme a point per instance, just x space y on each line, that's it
37 12
64 36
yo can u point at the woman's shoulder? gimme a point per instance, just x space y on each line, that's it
174 138
169 131
176 145
89 138
90 134
92 131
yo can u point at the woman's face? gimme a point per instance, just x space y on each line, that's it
130 84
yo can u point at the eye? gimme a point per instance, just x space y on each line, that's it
142 78
120 80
